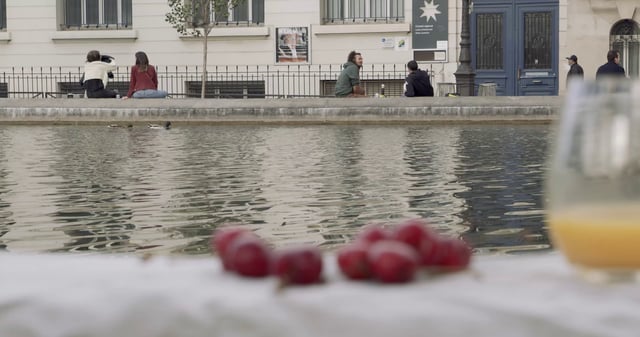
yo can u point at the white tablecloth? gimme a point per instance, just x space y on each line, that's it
98 295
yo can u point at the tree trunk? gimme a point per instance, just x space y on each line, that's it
204 60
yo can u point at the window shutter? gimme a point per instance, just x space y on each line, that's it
241 12
110 11
257 11
127 16
72 13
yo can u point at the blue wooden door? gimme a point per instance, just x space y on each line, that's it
537 51
515 45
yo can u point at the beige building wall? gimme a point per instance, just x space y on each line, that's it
32 38
588 24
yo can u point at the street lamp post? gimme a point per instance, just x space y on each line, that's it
465 75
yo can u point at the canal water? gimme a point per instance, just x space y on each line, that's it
94 189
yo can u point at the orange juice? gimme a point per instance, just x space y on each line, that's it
599 236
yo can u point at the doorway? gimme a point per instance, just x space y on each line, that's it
515 45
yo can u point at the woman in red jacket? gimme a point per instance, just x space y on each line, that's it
144 79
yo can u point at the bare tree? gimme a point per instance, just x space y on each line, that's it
194 17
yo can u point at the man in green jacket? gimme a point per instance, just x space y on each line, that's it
348 83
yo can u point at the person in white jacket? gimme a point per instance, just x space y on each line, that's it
96 76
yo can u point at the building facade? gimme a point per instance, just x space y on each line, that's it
593 27
519 45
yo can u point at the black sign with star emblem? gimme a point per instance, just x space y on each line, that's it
430 23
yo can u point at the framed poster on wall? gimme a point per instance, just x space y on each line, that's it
292 45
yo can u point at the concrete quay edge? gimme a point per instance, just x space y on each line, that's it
293 110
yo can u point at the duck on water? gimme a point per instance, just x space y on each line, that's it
166 126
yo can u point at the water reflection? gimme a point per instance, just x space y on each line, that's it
6 216
215 178
87 189
432 155
92 207
502 168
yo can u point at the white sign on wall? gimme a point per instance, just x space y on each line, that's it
388 42
401 44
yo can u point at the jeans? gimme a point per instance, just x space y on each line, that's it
150 93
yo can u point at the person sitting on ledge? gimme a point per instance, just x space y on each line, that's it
417 82
348 83
96 75
144 79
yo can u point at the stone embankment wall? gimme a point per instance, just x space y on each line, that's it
308 110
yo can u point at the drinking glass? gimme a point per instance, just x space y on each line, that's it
593 182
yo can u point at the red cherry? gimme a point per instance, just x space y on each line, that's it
353 261
393 261
431 251
221 240
456 254
298 265
412 232
372 233
249 256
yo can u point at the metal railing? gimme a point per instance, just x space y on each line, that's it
232 81
357 19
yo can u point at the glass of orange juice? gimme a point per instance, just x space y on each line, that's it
593 181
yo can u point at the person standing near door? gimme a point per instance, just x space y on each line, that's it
575 70
611 68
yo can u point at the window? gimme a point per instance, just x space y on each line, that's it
247 12
3 14
538 40
362 11
489 33
625 38
96 14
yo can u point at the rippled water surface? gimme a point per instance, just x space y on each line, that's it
99 189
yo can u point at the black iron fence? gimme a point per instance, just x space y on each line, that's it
257 81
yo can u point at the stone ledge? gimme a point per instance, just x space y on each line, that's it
5 37
125 34
222 32
361 28
528 295
318 110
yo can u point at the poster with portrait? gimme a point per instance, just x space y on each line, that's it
292 45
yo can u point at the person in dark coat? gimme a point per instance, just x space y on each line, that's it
575 70
611 68
417 82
